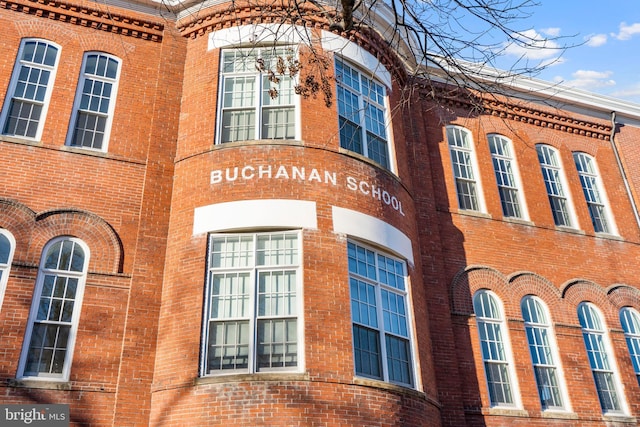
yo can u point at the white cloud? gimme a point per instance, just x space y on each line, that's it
532 45
551 32
588 79
627 31
595 40
631 93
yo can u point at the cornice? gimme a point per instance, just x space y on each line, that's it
88 17
557 120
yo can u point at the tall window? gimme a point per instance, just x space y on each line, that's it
55 310
362 114
464 169
630 320
600 358
539 336
253 288
30 89
506 176
95 101
380 314
7 246
555 183
592 188
257 101
494 353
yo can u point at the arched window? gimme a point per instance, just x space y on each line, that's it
507 177
630 320
30 89
464 166
556 185
7 247
600 358
593 193
495 355
543 355
95 101
55 310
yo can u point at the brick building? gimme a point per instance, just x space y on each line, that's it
180 245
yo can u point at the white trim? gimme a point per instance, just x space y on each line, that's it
6 268
515 169
611 357
564 183
475 167
508 349
553 346
82 78
15 74
368 228
75 317
250 35
252 214
355 54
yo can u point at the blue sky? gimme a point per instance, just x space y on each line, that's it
605 35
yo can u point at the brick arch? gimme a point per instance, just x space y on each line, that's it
579 290
35 27
622 295
471 279
526 283
17 219
104 243
106 42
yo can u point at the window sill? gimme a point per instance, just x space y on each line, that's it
620 418
608 236
559 414
506 412
476 214
237 378
21 141
388 386
223 145
48 383
518 221
570 230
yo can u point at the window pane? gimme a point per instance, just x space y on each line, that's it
252 310
362 114
379 312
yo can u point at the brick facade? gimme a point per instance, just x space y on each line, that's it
137 356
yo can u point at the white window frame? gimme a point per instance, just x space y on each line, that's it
465 168
368 275
55 273
545 358
594 194
630 321
6 238
250 301
362 110
597 343
507 176
496 351
555 182
91 110
26 65
260 101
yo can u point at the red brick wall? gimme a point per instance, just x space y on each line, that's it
116 202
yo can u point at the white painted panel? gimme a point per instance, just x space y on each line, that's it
354 53
252 214
372 229
249 35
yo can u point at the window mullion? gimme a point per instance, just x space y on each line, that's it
258 105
